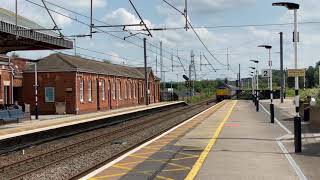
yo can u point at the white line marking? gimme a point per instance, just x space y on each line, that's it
294 165
278 122
92 174
292 162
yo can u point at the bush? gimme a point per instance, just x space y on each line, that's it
309 92
201 97
290 92
318 98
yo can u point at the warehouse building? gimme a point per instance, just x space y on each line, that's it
75 85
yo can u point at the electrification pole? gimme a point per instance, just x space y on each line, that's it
257 79
281 69
36 90
161 64
146 94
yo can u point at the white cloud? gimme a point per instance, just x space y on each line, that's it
82 3
116 59
205 6
121 16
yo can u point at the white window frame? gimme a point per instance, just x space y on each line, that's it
119 89
45 94
114 90
103 90
126 90
129 89
90 90
81 86
134 90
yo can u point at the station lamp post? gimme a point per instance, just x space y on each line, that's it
252 84
257 83
268 47
255 99
297 118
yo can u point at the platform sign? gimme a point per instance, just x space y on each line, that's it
296 72
265 72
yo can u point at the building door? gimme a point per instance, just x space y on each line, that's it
98 94
109 94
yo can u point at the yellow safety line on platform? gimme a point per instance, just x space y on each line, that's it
196 167
108 176
162 177
172 170
129 163
183 158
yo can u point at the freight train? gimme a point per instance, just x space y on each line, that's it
225 91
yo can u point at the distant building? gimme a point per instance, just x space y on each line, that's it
76 85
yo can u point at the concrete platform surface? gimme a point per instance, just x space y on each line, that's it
247 149
308 160
51 122
229 141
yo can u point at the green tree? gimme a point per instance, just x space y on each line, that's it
310 79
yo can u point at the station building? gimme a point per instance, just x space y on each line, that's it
75 85
11 79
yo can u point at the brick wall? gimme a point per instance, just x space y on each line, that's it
64 87
119 91
5 80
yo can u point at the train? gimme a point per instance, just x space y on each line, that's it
225 91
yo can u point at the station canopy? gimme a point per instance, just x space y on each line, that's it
28 35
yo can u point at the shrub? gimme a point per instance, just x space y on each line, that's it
309 92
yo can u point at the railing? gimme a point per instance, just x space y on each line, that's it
30 34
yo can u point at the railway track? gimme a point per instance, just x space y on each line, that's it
24 168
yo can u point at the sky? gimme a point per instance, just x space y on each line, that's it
213 15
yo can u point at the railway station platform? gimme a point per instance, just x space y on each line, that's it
46 123
228 141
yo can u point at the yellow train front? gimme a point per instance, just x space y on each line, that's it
225 91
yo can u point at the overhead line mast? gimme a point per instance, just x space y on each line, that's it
195 32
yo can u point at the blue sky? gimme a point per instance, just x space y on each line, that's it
241 41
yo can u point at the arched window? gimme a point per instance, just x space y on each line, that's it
81 90
114 91
125 90
90 90
119 88
103 90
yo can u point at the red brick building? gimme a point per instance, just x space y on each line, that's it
11 79
75 85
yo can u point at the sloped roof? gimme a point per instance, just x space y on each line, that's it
59 62
149 70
